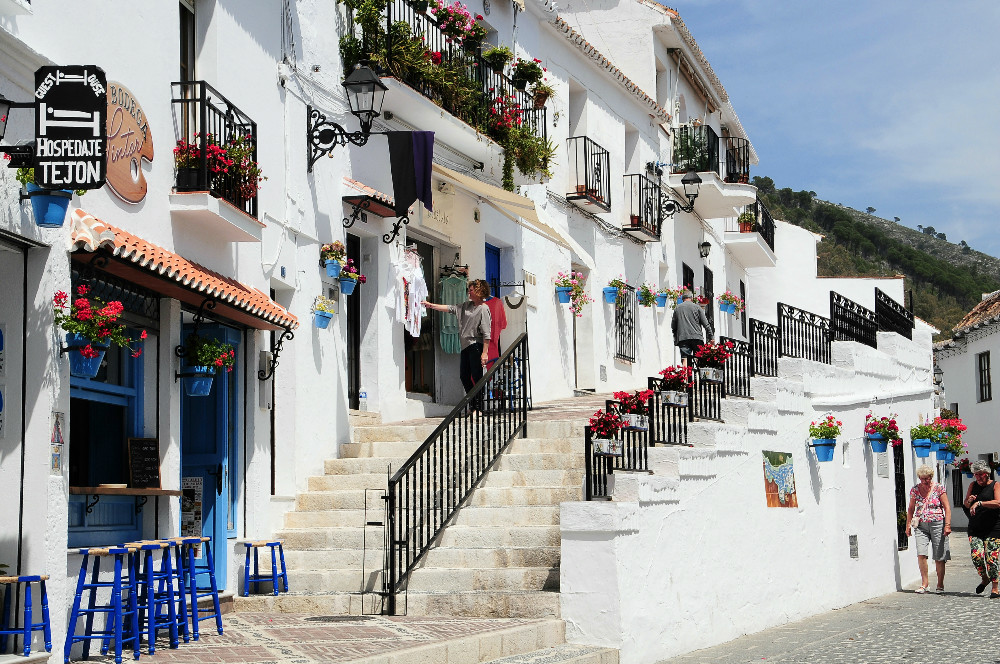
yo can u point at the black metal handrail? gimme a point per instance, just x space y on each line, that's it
738 368
696 148
667 424
892 316
849 321
644 206
737 152
597 467
765 347
705 401
625 305
589 172
439 476
203 118
803 334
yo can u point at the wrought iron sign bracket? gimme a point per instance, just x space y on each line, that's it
139 502
669 207
357 211
263 374
92 505
323 136
21 156
396 227
199 317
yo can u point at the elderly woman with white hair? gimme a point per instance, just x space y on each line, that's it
984 527
929 518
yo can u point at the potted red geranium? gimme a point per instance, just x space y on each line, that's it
91 326
881 431
677 380
604 428
711 358
633 407
203 357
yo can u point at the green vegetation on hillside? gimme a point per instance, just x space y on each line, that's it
855 246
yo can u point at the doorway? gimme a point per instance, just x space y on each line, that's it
418 353
210 457
354 331
583 342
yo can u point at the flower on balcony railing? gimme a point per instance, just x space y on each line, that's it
647 295
951 434
207 352
633 402
527 71
497 57
233 160
578 297
677 378
474 37
714 354
92 318
885 426
828 427
730 297
188 155
350 271
505 115
605 425
454 20
964 465
245 168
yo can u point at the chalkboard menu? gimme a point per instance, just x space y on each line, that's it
144 463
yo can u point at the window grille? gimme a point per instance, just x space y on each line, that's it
985 385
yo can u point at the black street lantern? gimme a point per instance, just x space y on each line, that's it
20 155
365 94
691 182
704 248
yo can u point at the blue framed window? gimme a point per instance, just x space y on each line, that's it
493 268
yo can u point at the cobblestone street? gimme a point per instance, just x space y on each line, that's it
955 627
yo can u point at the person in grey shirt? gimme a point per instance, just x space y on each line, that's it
687 324
474 324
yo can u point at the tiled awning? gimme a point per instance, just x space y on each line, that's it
380 204
173 275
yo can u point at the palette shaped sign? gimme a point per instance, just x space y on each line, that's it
130 140
71 103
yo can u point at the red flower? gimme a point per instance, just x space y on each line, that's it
82 289
89 352
143 335
60 299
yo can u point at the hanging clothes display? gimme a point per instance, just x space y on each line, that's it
498 322
454 289
516 315
407 278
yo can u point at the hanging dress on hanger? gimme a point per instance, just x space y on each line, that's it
453 291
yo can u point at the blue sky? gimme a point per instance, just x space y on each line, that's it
888 104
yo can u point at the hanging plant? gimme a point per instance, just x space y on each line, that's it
208 352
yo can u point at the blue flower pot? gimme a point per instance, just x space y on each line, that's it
322 319
80 366
944 455
332 268
878 442
347 285
48 205
824 448
679 300
661 300
610 294
969 475
199 385
922 447
727 307
563 292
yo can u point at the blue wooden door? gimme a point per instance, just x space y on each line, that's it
493 268
209 436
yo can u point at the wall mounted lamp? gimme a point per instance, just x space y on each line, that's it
704 248
20 155
365 94
692 183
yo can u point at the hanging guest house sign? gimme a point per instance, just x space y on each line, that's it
71 106
129 142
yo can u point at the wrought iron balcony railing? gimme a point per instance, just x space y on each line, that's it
737 151
411 46
644 206
696 148
212 132
761 222
589 173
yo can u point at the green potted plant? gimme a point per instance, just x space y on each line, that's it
323 309
731 303
542 91
526 72
824 434
614 291
473 39
570 290
881 431
203 356
747 220
646 294
332 256
497 58
922 437
689 150
48 206
350 277
91 326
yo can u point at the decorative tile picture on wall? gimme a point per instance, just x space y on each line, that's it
779 479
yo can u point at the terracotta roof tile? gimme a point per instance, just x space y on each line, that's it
90 234
368 191
987 311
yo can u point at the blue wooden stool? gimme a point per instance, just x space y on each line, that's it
156 595
195 591
257 577
118 609
13 584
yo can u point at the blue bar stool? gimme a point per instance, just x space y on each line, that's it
13 584
118 610
157 598
195 591
176 546
257 577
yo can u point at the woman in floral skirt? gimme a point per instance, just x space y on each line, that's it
984 527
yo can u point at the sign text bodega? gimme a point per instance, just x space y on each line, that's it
71 105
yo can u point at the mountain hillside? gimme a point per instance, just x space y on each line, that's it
946 279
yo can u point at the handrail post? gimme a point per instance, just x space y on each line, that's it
588 449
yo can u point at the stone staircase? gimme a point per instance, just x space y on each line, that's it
498 557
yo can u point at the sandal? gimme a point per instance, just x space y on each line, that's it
921 590
981 587
994 595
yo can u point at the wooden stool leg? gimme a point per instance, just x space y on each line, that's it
256 573
133 603
193 581
46 625
284 570
214 586
274 570
27 619
116 604
91 604
168 577
74 615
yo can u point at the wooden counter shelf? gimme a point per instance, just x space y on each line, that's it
141 495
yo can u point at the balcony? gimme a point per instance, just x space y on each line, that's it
644 207
728 158
216 171
737 153
589 175
410 46
750 237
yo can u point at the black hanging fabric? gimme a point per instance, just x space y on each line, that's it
410 156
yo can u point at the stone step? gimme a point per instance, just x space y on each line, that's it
332 558
697 462
565 653
357 418
356 450
511 478
445 579
492 537
534 556
527 496
356 481
307 539
337 580
483 604
343 518
392 432
541 461
367 466
348 499
513 515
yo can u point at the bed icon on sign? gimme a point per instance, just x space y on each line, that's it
50 117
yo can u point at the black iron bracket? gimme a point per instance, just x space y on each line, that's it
21 156
139 502
263 374
396 227
357 212
91 505
180 350
323 136
669 207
